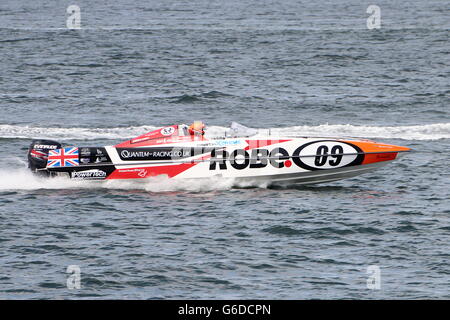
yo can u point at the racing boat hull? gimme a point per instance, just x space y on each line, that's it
257 158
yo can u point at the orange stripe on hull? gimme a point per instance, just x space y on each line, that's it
378 152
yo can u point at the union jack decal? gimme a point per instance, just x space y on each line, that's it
65 157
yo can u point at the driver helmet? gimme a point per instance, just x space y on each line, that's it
198 127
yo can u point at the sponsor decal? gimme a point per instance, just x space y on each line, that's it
317 155
85 160
206 144
93 155
137 140
85 151
168 153
328 155
89 174
129 170
168 131
145 137
41 155
127 154
224 143
45 146
255 158
101 159
140 172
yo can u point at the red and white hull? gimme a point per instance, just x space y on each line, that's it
257 158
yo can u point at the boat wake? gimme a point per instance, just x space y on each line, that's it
434 131
22 179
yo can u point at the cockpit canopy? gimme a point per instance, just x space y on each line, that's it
183 132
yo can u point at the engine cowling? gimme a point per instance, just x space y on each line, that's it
38 155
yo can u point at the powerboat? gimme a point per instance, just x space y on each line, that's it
241 153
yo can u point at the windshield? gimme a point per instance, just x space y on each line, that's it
239 130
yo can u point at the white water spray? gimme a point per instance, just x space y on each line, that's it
418 132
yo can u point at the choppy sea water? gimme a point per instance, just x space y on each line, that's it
298 67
